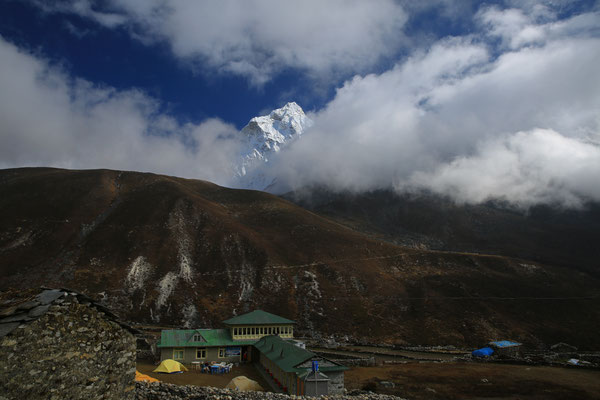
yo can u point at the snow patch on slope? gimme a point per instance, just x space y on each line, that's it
139 271
166 286
185 268
189 313
177 223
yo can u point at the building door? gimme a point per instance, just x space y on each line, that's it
254 353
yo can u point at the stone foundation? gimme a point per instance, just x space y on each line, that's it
165 391
72 351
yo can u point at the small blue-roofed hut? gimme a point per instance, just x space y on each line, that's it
506 348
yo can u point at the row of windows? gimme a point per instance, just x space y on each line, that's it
263 330
200 353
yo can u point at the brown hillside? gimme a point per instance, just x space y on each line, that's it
186 252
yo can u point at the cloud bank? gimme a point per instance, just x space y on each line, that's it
510 111
50 119
257 39
519 121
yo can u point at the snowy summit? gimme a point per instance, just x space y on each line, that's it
264 136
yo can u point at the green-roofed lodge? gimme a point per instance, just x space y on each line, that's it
262 338
291 366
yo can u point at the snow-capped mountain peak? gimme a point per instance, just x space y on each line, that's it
278 127
264 136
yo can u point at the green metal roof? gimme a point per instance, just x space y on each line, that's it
283 353
310 375
287 356
257 317
210 338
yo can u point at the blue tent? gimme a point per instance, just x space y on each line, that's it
483 352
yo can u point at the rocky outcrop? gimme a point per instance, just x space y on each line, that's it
64 347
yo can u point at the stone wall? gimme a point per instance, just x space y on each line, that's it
71 351
165 391
336 382
356 362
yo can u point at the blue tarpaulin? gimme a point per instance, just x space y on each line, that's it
504 343
484 352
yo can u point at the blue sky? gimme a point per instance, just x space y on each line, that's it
112 57
416 95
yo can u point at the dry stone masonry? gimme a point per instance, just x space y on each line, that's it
59 344
165 391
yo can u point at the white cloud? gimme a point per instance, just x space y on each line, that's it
535 25
457 108
465 117
49 119
259 38
83 8
525 168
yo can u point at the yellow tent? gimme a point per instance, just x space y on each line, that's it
243 384
169 366
143 377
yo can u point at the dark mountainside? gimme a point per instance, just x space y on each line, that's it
542 233
167 250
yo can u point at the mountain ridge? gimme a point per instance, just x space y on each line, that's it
551 235
166 250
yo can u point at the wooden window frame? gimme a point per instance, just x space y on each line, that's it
177 350
203 349
220 351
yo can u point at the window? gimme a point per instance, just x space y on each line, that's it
253 331
177 354
269 330
201 352
197 338
277 330
221 352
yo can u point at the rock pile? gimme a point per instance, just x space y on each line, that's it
166 391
